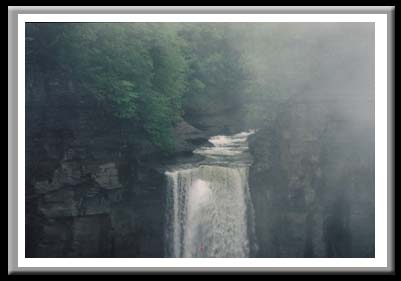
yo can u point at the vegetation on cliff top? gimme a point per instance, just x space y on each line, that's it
153 74
146 73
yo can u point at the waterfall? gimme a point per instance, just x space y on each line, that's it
208 204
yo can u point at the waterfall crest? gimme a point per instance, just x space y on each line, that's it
209 204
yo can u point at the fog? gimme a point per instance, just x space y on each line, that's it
138 140
317 79
329 61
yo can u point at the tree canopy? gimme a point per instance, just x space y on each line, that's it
148 73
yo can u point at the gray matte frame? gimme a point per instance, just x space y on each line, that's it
13 12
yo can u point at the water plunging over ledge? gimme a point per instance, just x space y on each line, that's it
209 211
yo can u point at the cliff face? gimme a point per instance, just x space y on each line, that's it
93 189
90 190
225 121
312 180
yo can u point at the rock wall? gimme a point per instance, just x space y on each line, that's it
227 121
312 180
90 190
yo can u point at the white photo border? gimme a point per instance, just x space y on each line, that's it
380 259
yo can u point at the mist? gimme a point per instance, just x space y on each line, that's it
200 140
329 61
317 80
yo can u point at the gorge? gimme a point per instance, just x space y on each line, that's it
149 140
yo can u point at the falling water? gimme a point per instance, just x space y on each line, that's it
209 206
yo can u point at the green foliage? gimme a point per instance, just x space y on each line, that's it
158 120
145 73
134 71
215 73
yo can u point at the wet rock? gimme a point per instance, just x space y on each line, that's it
81 172
107 176
309 198
187 137
92 237
59 203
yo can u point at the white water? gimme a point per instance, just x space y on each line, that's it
209 204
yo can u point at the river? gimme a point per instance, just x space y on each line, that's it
209 211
